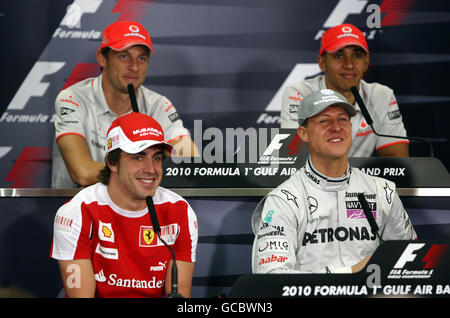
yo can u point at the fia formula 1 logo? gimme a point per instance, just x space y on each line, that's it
410 266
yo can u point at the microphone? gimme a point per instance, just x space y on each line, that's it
157 229
132 95
369 216
369 120
153 216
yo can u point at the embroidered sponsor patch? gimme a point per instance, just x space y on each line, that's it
174 117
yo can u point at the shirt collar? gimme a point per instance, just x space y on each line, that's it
100 100
314 177
99 96
106 198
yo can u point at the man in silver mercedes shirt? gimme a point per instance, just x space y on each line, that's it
313 222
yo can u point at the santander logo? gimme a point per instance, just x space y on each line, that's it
115 280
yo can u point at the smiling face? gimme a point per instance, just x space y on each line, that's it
135 177
328 134
344 68
124 67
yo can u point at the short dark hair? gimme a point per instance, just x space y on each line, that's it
111 158
104 51
357 48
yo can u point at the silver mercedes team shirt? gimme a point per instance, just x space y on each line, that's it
315 224
381 105
82 109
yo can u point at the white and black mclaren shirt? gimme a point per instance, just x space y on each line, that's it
380 102
311 223
81 109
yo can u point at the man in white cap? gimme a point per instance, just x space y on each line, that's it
85 110
344 59
104 238
314 222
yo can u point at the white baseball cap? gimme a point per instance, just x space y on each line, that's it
135 132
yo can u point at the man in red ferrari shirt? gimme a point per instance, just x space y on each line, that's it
103 238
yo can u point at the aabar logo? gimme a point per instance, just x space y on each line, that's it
272 259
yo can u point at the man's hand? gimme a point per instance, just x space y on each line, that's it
185 274
78 278
359 266
81 167
185 147
395 150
